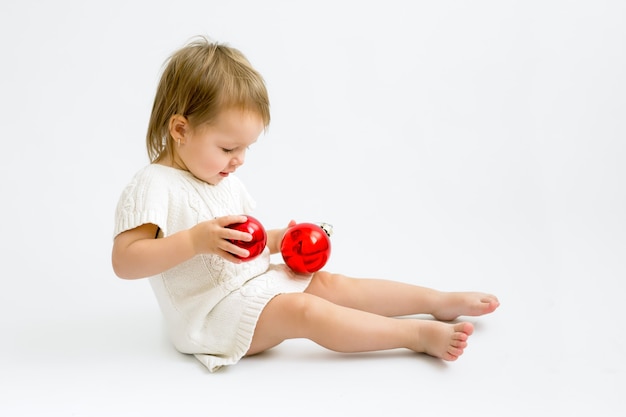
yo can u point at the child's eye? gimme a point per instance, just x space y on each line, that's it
227 150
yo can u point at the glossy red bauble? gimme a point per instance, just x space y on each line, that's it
305 247
259 237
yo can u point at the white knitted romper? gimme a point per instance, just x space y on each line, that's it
210 305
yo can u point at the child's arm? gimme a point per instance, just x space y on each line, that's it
138 254
275 236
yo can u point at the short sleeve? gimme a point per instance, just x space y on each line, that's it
142 201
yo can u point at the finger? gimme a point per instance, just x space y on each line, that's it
229 257
232 234
231 219
235 250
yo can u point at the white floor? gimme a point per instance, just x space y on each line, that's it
100 350
460 145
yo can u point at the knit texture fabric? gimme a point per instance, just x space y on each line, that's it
211 306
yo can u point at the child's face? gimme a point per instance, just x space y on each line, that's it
212 152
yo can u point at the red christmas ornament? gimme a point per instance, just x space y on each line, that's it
259 237
305 247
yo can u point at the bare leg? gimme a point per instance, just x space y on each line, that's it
343 329
391 298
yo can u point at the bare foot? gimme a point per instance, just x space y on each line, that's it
455 304
442 340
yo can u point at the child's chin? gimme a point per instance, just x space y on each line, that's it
212 180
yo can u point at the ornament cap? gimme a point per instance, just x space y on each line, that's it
327 228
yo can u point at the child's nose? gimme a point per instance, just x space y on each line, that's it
238 160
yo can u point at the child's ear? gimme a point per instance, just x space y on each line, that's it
179 126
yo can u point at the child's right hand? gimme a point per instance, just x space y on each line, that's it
212 236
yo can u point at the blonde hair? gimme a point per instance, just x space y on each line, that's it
199 81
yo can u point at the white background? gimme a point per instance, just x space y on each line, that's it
463 145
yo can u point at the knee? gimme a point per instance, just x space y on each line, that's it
302 307
325 283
